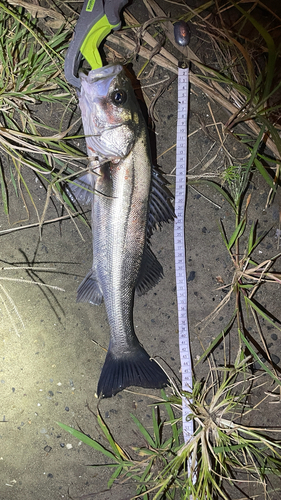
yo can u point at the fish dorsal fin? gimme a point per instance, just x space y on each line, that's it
160 207
81 190
89 290
150 273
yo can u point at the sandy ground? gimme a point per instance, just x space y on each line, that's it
51 358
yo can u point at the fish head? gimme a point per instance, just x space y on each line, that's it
110 112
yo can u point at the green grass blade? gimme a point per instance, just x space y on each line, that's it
171 416
254 354
156 427
89 441
146 472
223 235
251 239
239 230
273 131
227 449
261 313
254 153
143 430
13 180
4 191
221 78
218 338
198 10
253 243
272 52
44 45
115 447
115 474
218 188
163 486
265 174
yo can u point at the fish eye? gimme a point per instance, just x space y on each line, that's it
119 97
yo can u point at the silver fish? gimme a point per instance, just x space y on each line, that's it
129 199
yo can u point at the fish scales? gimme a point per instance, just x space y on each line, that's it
119 228
129 199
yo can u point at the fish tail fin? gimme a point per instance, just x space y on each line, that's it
135 369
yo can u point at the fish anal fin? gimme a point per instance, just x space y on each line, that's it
89 290
150 273
135 369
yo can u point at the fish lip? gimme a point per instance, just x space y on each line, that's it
101 73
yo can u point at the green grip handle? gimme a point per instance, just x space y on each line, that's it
89 48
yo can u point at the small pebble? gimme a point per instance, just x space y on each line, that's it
47 449
62 445
191 276
274 336
66 408
275 359
69 446
256 365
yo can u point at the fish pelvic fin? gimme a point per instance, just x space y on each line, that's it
150 273
160 206
81 190
135 369
89 290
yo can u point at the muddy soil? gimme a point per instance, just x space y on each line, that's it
52 349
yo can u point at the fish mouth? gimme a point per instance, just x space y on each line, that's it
101 78
95 75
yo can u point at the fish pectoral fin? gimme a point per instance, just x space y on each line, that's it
135 368
150 273
160 207
81 190
89 290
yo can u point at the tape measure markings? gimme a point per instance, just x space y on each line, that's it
179 244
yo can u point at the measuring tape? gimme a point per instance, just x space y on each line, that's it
179 243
